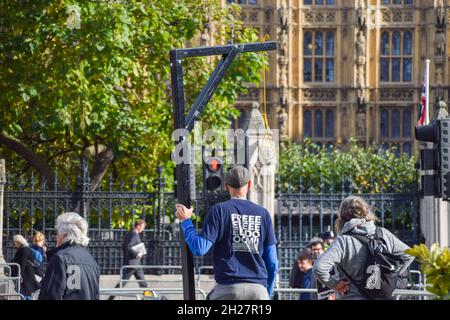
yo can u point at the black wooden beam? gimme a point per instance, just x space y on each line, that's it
228 52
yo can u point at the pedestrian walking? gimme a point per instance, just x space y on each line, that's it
133 253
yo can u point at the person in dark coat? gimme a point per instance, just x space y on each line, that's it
133 257
28 269
72 273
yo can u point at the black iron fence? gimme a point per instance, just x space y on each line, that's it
111 210
301 215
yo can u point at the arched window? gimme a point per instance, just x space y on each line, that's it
318 70
307 123
407 43
396 149
307 43
407 148
330 44
385 43
330 70
407 69
318 44
329 130
395 69
384 124
396 43
395 124
318 124
318 52
307 69
396 56
407 124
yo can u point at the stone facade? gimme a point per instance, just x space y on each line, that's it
356 101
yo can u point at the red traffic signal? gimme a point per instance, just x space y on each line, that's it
213 179
213 164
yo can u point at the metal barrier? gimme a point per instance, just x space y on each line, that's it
13 294
139 292
397 294
199 273
122 281
9 278
421 294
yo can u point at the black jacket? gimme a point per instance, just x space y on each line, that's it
72 274
129 255
28 270
296 277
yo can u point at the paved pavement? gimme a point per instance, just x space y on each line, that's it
175 282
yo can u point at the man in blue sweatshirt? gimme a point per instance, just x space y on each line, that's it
245 257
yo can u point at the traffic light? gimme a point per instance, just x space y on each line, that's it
213 173
430 181
444 152
435 159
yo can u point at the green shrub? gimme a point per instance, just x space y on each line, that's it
435 264
365 170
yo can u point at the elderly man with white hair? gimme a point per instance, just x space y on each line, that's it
72 272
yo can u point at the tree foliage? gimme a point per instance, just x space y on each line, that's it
368 170
102 91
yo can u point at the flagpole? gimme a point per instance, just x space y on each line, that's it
427 91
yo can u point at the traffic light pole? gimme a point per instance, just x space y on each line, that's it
228 52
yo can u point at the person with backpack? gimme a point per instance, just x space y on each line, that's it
369 259
28 269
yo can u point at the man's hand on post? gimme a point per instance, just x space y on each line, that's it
183 213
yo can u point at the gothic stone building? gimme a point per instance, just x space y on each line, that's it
350 68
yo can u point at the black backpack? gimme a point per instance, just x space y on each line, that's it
381 269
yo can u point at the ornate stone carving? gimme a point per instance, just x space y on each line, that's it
330 17
207 31
398 16
360 45
408 16
396 94
253 16
361 15
308 16
319 94
442 110
439 43
284 54
318 16
440 14
360 122
283 119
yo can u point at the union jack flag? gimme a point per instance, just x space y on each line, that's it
423 106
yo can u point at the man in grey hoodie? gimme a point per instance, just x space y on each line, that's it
350 253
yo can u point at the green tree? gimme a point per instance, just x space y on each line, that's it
367 170
102 91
